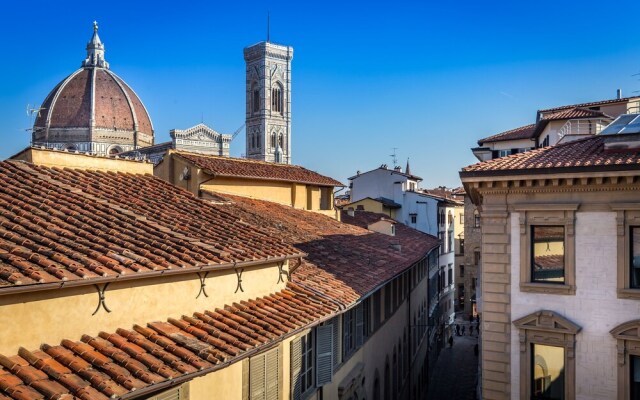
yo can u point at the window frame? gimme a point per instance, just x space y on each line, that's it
627 336
548 328
547 215
533 255
628 216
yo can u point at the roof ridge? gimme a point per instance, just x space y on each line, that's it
239 159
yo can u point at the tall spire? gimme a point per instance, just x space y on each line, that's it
95 51
407 170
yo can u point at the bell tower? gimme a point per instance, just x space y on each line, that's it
268 119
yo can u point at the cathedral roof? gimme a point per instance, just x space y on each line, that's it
94 97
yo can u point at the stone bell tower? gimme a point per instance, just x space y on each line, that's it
268 120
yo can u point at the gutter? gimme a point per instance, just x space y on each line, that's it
36 287
547 171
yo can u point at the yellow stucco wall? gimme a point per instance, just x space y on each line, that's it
222 384
30 319
372 206
62 159
278 192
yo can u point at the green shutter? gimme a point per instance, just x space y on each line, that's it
324 354
359 325
296 366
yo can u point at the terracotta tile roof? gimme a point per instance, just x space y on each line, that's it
118 363
244 168
592 104
523 132
581 154
72 225
344 260
574 113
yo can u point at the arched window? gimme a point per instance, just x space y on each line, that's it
258 141
255 98
281 141
376 386
276 99
387 380
273 140
253 140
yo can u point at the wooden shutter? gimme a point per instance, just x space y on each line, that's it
257 378
178 393
272 374
324 354
335 322
359 325
245 379
296 366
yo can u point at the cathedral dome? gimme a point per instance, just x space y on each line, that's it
93 110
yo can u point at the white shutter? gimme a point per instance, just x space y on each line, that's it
257 378
359 325
324 354
272 374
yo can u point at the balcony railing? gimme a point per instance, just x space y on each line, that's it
583 127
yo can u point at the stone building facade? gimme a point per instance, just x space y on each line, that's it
268 101
93 111
560 270
471 250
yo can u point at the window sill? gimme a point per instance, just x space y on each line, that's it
628 293
548 288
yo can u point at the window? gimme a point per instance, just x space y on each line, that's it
450 275
545 142
547 254
547 356
547 372
476 257
504 153
263 378
302 361
461 219
476 219
414 218
462 271
273 140
256 100
628 359
353 330
276 99
461 246
450 218
547 248
628 255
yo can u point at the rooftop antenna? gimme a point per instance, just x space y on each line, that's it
394 157
268 25
31 111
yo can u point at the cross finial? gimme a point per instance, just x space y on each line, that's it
95 26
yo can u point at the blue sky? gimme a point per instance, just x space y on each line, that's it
426 78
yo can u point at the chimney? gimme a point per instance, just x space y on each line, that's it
619 93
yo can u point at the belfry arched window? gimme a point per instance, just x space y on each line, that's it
273 140
276 99
281 141
255 98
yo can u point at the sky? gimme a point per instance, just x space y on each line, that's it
425 79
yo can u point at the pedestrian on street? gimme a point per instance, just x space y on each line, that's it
470 318
450 341
457 330
470 330
463 328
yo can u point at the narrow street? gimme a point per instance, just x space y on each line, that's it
455 374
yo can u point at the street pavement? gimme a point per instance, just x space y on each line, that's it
455 375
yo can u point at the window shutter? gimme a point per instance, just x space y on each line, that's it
324 354
245 379
359 325
272 372
257 378
336 340
178 393
296 366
